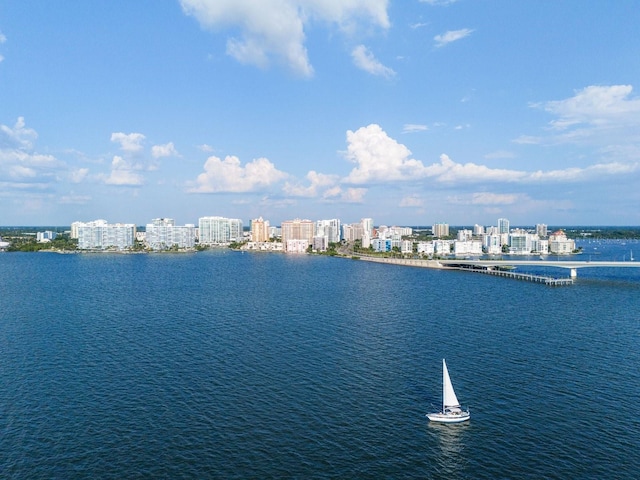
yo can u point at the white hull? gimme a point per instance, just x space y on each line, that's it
449 417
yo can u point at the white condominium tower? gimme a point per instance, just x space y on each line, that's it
163 234
215 230
100 235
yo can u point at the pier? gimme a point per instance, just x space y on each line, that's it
550 281
504 267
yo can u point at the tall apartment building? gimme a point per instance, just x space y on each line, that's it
163 234
503 225
329 229
100 235
352 232
541 230
295 230
440 230
367 225
219 230
259 230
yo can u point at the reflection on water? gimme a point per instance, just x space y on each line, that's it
451 441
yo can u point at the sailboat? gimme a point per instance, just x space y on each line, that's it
451 412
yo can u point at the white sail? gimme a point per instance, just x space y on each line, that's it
449 399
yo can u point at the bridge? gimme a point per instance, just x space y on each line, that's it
572 265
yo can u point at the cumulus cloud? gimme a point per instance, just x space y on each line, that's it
129 142
275 29
451 36
381 159
365 60
229 175
317 182
123 173
378 157
166 150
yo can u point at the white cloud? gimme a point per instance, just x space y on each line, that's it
123 173
451 36
275 29
129 142
595 105
317 181
2 38
381 159
353 195
365 60
229 175
166 150
17 137
78 175
378 157
500 154
413 127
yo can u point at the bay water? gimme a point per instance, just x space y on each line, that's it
228 365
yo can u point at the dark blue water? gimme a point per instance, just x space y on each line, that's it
229 365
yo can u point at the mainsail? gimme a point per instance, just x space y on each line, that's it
449 399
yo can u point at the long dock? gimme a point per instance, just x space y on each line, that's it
550 281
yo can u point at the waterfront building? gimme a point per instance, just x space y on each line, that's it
296 245
560 244
406 246
219 230
467 247
163 234
442 247
478 230
329 229
366 240
381 244
259 230
320 243
492 243
297 229
440 230
425 248
100 235
520 242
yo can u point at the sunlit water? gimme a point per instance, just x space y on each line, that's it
229 365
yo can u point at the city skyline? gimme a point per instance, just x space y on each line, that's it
412 113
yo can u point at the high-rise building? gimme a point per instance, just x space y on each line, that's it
219 230
367 225
329 229
259 230
440 230
503 225
541 229
162 234
297 230
100 235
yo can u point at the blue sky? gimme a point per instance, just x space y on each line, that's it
410 112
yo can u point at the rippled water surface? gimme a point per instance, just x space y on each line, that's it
229 365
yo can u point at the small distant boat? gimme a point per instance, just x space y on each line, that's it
451 412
